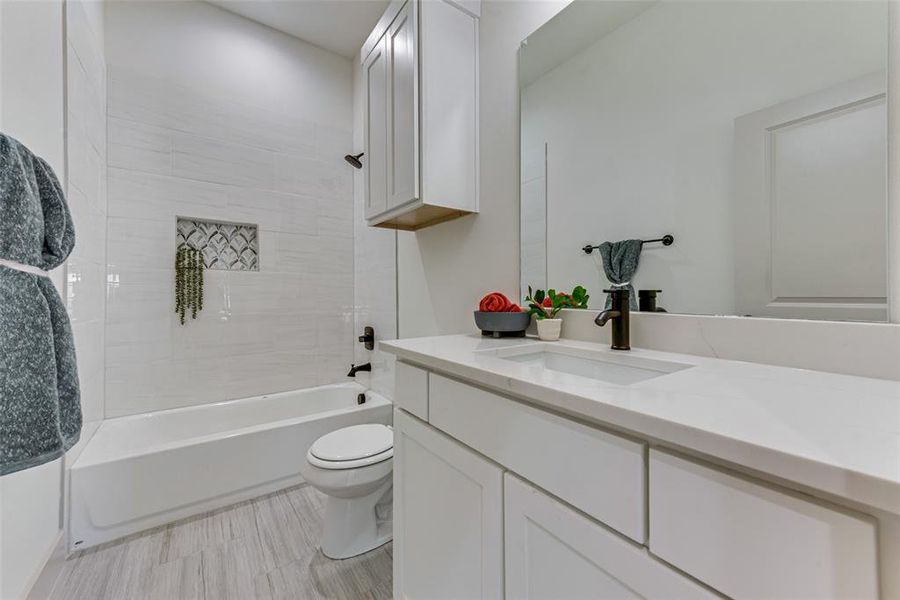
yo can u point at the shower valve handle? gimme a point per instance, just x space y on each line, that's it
368 338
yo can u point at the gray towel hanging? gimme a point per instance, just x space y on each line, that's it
40 406
620 263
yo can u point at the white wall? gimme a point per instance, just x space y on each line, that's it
215 117
444 270
31 110
639 129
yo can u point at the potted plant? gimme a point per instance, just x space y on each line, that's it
546 306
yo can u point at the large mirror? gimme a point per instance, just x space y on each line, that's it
749 134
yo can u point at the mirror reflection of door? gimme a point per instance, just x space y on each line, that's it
810 205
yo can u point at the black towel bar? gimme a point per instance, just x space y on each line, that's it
667 240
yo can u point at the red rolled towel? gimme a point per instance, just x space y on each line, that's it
497 302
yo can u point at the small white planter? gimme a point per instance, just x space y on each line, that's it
549 329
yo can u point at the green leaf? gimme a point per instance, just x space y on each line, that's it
537 311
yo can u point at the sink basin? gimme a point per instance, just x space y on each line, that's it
608 366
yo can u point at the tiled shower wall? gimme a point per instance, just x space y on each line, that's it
85 284
175 152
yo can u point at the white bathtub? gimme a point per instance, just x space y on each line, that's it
145 470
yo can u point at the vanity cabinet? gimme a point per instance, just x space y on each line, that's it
552 551
420 79
497 497
448 516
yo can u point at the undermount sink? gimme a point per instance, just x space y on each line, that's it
617 368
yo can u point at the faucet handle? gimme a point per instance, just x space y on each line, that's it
615 290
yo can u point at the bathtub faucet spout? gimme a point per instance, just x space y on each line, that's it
354 369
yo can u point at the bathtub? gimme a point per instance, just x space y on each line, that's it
145 470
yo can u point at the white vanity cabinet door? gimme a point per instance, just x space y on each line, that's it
448 517
376 129
751 541
554 552
403 149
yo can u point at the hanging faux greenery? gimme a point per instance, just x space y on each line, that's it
188 282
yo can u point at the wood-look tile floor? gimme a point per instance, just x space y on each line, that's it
266 548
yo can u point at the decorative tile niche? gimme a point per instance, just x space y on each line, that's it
224 246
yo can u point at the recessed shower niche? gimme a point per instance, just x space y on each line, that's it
224 246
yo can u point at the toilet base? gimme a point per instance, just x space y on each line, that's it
354 526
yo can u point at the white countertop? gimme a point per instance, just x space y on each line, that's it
835 433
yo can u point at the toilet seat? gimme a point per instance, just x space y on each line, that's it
352 447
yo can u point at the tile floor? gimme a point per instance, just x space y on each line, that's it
265 548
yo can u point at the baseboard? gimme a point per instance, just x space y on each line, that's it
43 580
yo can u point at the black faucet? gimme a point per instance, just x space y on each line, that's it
354 369
619 314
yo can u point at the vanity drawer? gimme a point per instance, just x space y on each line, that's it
748 540
595 471
411 389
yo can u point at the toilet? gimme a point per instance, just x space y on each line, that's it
353 466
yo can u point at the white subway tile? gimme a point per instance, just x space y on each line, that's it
139 147
141 244
139 295
84 290
208 159
298 174
149 196
90 228
89 351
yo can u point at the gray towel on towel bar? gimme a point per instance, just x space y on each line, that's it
620 262
40 405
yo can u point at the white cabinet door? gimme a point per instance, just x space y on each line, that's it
376 129
751 541
448 517
403 143
449 120
554 552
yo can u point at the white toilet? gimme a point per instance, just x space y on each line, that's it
353 466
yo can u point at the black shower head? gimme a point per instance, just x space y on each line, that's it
353 159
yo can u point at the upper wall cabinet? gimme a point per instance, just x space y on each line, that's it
420 70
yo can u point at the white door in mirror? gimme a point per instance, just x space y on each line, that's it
812 244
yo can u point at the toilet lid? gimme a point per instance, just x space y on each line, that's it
353 443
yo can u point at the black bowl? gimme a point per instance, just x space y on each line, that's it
500 324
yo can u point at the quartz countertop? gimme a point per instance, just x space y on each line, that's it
838 434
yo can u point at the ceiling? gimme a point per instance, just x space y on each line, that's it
580 25
337 25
